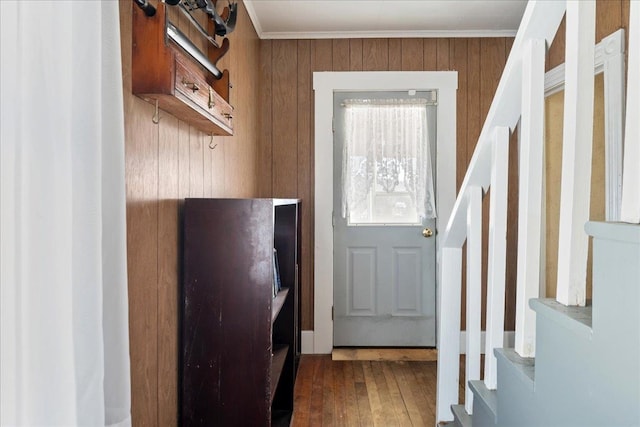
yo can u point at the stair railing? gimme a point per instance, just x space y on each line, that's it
519 99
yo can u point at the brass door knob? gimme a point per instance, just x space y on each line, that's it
427 232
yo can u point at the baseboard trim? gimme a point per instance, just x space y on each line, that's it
509 340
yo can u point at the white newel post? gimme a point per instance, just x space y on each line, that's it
631 175
577 144
474 291
530 203
497 253
449 333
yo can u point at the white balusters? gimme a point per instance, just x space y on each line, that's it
631 175
474 291
577 140
449 332
530 203
494 337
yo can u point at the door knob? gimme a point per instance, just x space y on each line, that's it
427 232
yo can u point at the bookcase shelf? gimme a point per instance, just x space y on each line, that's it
277 363
277 304
240 346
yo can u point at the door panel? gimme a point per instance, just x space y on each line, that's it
362 281
384 275
407 281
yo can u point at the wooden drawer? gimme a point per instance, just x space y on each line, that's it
194 90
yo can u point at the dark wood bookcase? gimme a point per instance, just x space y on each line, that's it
240 346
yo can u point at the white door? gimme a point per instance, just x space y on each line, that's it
384 252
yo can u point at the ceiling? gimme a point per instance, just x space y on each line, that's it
301 19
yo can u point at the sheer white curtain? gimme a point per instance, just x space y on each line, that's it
64 352
386 149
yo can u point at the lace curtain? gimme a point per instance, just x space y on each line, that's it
386 149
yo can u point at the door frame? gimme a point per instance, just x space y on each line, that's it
324 85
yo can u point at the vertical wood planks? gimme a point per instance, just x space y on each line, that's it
474 290
412 54
530 206
375 54
305 173
355 54
430 55
141 162
341 55
395 54
462 55
265 143
577 138
285 119
496 268
164 164
168 254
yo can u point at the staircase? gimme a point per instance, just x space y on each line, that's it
575 362
587 366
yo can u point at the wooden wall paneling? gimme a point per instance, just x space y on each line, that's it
183 160
609 15
196 163
265 100
492 62
474 117
340 52
430 54
207 165
355 54
443 55
556 50
168 255
459 63
322 55
141 166
395 54
305 157
412 54
285 121
375 54
219 178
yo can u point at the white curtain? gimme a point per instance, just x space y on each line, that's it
64 352
386 148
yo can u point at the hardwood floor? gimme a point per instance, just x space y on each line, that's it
364 393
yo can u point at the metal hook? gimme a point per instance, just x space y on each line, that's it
156 117
211 142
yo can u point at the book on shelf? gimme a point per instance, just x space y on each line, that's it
277 283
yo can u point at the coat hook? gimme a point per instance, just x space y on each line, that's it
156 116
211 145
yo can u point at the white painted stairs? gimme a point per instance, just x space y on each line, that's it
587 366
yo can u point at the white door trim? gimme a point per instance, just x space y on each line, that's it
324 85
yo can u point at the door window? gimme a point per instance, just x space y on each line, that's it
387 175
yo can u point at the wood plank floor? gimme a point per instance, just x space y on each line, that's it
364 393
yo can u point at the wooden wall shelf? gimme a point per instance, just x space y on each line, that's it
162 72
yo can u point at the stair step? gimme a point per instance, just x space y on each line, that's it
460 415
573 318
487 398
524 367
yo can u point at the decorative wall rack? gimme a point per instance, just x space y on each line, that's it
169 70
